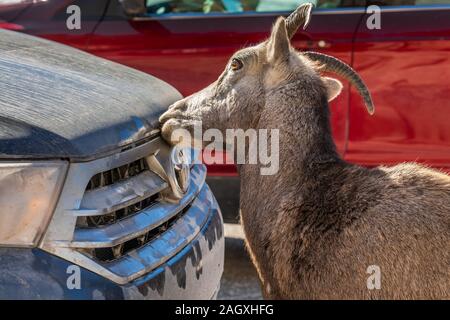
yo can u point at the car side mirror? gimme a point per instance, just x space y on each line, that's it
133 7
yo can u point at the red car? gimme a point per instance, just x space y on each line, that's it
404 57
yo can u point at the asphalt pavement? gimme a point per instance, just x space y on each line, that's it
239 280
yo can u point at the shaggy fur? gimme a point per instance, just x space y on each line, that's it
313 228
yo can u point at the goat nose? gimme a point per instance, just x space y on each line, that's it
166 116
178 106
174 111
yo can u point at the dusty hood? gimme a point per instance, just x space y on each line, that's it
59 102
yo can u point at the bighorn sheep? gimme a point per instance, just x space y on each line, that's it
318 226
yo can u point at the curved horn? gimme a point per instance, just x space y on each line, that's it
300 17
331 64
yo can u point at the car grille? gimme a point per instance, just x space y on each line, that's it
115 195
119 178
122 227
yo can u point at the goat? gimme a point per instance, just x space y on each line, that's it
314 228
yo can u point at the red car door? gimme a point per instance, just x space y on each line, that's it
406 65
187 43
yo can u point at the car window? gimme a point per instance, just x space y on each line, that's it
407 2
161 7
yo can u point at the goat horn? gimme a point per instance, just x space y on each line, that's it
301 16
331 64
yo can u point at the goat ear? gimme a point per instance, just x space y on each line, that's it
334 87
278 46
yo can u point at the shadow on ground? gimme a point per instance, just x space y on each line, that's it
239 280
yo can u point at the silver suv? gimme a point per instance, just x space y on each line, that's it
94 204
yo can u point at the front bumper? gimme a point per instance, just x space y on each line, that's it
193 273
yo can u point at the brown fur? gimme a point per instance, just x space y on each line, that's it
314 228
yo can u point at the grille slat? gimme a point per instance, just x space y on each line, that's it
116 252
115 175
120 195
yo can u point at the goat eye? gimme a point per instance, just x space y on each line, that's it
236 64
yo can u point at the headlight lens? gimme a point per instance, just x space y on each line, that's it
28 194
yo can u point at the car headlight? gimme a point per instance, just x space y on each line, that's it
28 195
